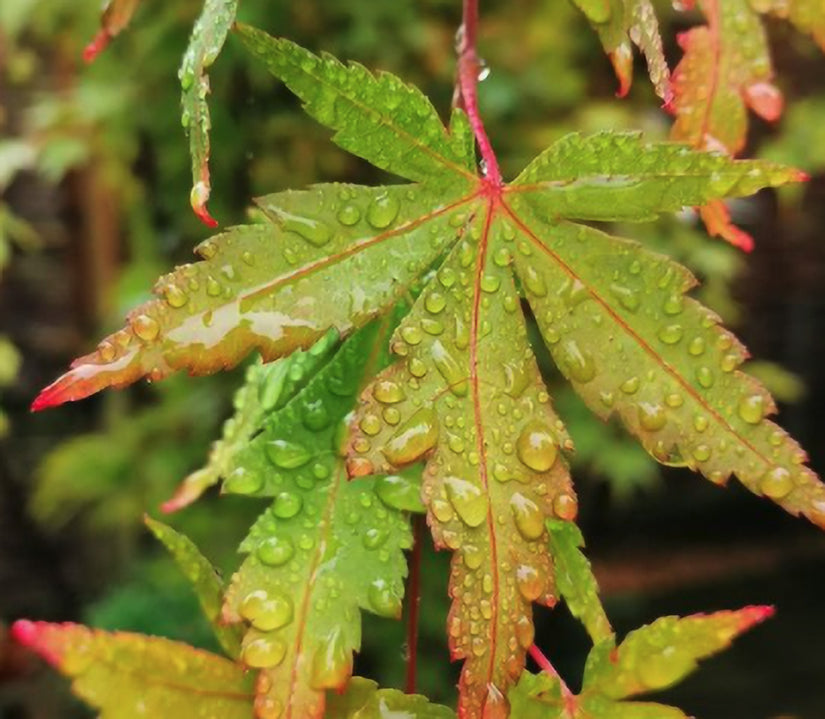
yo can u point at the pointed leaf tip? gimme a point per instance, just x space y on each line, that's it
96 46
198 198
28 634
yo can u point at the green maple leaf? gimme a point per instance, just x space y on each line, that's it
364 700
649 659
326 547
466 394
129 676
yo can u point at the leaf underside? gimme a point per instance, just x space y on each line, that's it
464 393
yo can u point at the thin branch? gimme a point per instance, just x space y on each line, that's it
414 596
469 67
544 664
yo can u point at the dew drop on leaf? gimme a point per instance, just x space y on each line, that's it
383 599
287 455
243 481
287 505
382 210
576 362
752 408
776 483
349 215
450 369
469 502
528 517
397 492
536 447
263 652
313 231
332 662
652 417
175 296
529 582
145 327
275 551
414 438
266 612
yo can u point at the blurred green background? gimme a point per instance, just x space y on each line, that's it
94 187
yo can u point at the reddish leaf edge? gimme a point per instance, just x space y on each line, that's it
97 45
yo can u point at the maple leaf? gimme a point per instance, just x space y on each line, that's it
208 36
129 676
324 549
649 659
618 22
204 579
466 395
266 387
364 700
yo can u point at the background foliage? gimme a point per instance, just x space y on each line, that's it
94 176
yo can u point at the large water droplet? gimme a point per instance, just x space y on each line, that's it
388 392
671 334
528 516
382 210
145 327
516 377
175 296
332 662
348 215
565 507
383 600
287 505
704 376
469 502
752 408
652 416
263 652
530 584
534 282
628 298
265 611
776 483
414 438
243 481
536 447
313 231
287 455
275 551
576 362
450 369
400 493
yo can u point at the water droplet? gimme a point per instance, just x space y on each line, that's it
696 346
313 231
435 302
383 600
374 538
400 493
287 505
530 584
145 327
671 334
628 298
450 370
674 400
275 551
652 417
528 516
536 447
502 257
348 215
490 283
776 483
730 362
447 277
332 662
213 287
315 415
575 362
467 499
700 423
370 424
704 376
534 282
525 632
630 386
674 304
175 296
243 481
414 438
565 507
472 555
752 408
265 611
263 652
382 210
287 455
412 335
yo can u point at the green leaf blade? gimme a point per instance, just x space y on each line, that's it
130 676
671 373
664 652
204 579
324 550
350 251
616 176
377 117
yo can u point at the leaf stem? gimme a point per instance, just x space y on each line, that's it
414 596
468 70
545 665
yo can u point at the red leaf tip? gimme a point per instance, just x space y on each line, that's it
96 46
24 632
198 198
51 396
755 614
